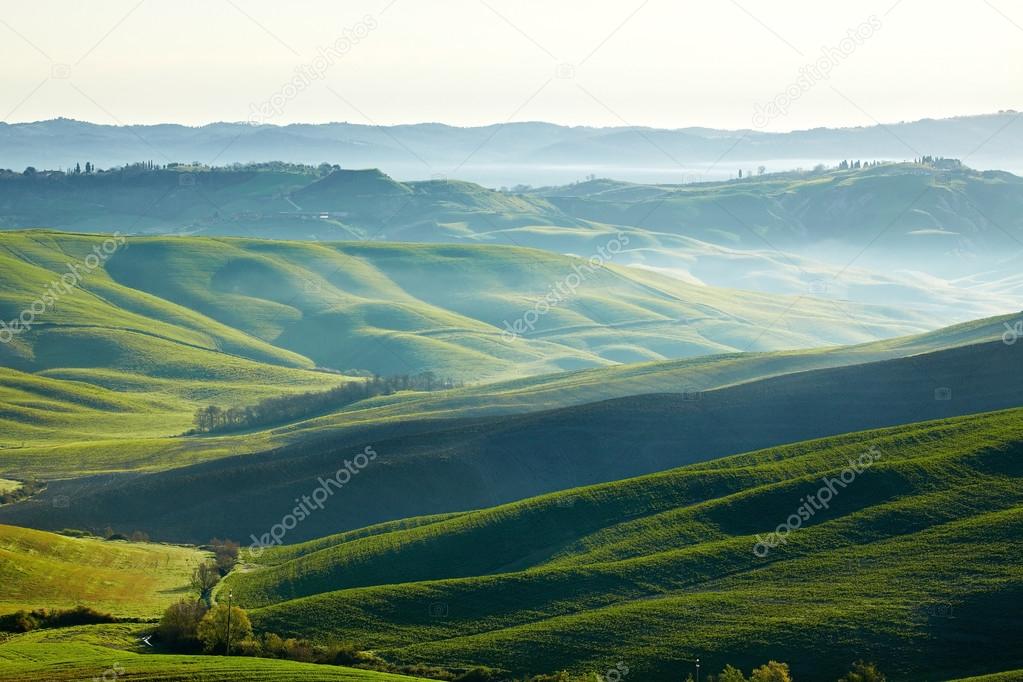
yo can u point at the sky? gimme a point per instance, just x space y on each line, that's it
663 63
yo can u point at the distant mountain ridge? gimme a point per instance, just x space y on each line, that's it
511 153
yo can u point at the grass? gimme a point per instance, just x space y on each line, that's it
116 367
44 661
129 579
435 466
916 555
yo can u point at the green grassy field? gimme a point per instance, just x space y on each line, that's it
114 652
432 466
1008 676
39 569
114 368
653 571
70 426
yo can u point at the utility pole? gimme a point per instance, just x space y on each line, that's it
230 595
697 670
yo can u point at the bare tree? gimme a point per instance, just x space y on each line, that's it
204 578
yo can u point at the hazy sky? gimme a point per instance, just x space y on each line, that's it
665 63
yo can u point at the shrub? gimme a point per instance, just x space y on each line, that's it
75 533
863 672
343 654
212 630
483 675
772 671
226 553
19 621
23 621
180 623
250 647
731 674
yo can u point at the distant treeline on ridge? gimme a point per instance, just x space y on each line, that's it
212 418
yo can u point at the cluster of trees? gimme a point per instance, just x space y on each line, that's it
749 174
773 671
939 162
138 167
847 165
225 554
26 489
270 411
192 625
206 575
24 621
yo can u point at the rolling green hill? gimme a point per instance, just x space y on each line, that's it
385 307
43 570
284 201
926 207
923 237
913 556
280 201
434 465
163 325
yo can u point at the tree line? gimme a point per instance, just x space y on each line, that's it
281 409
